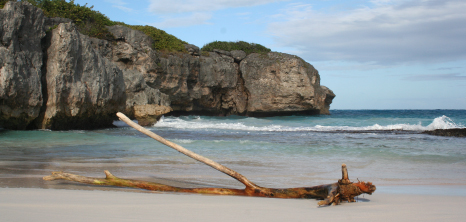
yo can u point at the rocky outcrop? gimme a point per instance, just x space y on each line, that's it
279 83
84 89
192 49
149 114
54 77
133 53
21 59
225 83
459 132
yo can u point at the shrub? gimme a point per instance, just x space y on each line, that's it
162 40
88 21
248 48
3 2
93 23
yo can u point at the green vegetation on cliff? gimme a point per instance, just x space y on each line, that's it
162 40
88 21
248 48
94 23
3 2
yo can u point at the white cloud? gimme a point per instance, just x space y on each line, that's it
183 6
437 77
120 4
123 8
183 21
386 32
116 2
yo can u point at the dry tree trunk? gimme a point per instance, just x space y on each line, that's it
343 190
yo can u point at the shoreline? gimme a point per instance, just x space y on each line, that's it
35 204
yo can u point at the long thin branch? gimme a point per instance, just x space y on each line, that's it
189 153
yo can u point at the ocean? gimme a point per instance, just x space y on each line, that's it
385 147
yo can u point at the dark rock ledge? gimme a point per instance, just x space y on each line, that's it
461 132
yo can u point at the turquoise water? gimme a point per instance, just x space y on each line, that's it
382 146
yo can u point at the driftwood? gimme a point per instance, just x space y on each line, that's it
343 190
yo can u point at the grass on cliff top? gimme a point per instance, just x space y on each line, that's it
162 40
248 48
93 23
88 21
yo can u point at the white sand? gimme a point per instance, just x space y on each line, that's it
32 204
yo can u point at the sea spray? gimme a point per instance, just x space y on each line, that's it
245 124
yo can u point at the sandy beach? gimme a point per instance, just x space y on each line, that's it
34 204
419 177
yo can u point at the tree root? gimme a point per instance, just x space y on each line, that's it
343 190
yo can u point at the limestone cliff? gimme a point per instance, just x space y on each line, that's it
53 77
21 60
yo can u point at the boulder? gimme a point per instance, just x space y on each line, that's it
148 115
238 55
21 61
192 49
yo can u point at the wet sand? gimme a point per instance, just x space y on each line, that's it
35 204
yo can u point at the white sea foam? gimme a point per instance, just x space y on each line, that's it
442 122
185 141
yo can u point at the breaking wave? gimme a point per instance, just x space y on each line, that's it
442 122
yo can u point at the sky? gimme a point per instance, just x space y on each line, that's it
373 54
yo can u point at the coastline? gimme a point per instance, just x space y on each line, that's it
418 177
35 204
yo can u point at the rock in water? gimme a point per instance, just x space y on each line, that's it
149 114
447 132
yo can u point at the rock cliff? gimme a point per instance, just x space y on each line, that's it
21 60
53 77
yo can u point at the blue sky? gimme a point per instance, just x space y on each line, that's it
374 54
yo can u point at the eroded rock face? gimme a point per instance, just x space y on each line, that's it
177 76
53 77
279 84
84 89
133 53
225 83
21 32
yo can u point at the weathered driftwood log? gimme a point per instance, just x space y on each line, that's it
343 190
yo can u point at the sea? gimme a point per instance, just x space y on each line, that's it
385 147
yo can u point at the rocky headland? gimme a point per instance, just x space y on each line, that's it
54 77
